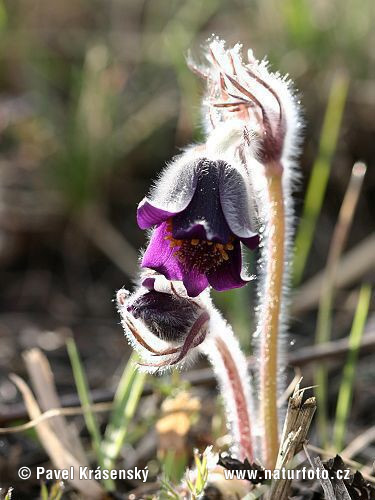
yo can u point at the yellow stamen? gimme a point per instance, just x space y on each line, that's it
224 254
194 242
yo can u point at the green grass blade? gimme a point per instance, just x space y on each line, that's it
320 173
43 491
125 403
346 387
174 465
84 397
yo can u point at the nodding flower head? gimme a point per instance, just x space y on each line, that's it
162 323
202 213
248 92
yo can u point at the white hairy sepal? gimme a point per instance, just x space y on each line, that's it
230 62
151 339
173 189
220 329
225 130
162 285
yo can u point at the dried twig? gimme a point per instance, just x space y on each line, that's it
296 426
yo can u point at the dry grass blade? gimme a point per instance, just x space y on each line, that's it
297 379
109 240
148 118
351 267
43 384
296 426
326 301
59 455
333 350
299 414
359 443
54 412
339 492
325 483
364 470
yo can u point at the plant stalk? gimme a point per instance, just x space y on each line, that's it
230 367
269 314
241 406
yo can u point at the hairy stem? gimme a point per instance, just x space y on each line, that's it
269 315
242 417
230 368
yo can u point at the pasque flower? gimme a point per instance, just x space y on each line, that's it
162 323
208 202
202 214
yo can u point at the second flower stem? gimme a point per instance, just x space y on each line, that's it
241 408
230 367
269 316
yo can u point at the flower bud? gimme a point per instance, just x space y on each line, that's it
246 94
163 326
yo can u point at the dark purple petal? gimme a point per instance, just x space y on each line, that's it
172 194
228 274
148 215
159 255
203 218
234 198
195 282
